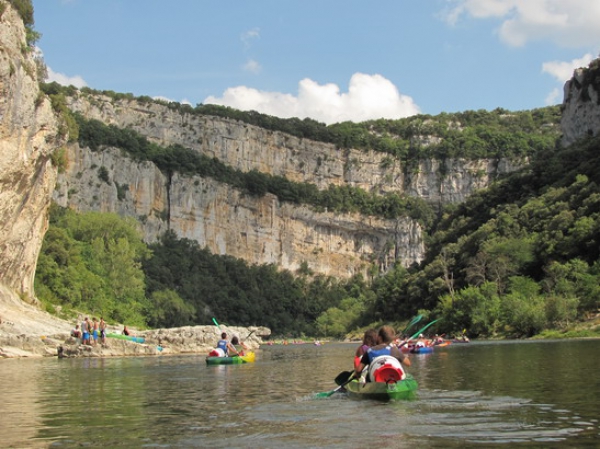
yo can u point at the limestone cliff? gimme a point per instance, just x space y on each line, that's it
260 230
246 147
219 217
28 136
581 104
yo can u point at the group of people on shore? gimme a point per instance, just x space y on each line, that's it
90 331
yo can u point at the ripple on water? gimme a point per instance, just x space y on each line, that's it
470 416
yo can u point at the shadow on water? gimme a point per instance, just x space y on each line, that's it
526 394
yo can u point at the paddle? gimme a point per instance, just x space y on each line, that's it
419 332
414 321
343 377
326 394
216 324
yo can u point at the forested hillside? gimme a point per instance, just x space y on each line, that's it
516 259
493 263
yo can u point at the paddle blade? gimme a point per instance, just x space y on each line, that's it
325 394
343 377
414 321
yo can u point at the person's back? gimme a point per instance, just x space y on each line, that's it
380 353
223 344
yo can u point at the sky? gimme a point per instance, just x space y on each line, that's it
330 60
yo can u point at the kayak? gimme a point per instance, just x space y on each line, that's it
405 389
127 337
422 350
236 359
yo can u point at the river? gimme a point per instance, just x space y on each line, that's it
534 394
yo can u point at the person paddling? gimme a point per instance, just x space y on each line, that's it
223 346
384 354
369 340
239 345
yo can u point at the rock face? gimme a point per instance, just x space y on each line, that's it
219 217
260 230
581 104
246 147
28 137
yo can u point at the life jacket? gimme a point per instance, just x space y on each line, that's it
383 367
222 345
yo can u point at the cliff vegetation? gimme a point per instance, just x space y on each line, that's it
516 259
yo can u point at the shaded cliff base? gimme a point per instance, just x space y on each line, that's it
26 331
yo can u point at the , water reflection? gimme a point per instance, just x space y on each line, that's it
530 394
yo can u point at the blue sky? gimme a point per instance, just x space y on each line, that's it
331 60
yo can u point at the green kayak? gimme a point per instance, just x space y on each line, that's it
127 337
248 358
405 389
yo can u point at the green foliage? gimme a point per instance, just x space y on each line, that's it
59 159
92 262
169 310
338 321
103 174
517 258
57 94
232 290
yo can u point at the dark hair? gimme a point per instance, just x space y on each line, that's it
386 333
370 337
224 335
235 340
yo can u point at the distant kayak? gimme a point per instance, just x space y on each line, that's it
127 337
236 359
422 350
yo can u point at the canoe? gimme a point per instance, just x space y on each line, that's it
405 389
422 350
127 337
248 358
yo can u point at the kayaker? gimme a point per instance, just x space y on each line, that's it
369 340
384 348
239 346
225 346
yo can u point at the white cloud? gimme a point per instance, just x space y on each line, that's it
570 23
169 100
249 36
252 66
65 80
563 70
368 97
554 97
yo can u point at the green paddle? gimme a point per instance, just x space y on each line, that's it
216 324
414 321
342 383
419 332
